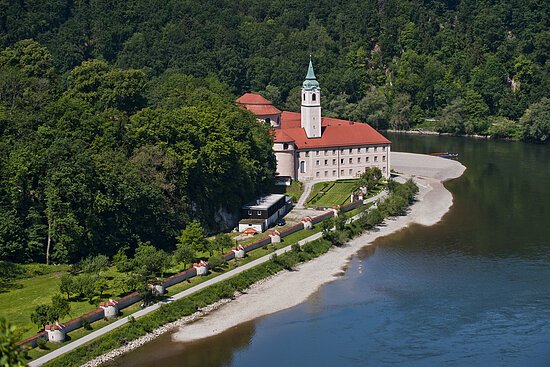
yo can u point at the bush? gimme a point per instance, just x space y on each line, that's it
86 324
41 343
187 306
215 262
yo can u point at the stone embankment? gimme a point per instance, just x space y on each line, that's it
134 344
429 132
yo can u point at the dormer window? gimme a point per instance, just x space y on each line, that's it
285 146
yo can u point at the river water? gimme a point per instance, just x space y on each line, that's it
473 290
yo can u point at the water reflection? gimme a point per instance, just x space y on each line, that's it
473 289
199 353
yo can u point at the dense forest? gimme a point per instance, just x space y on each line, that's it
116 117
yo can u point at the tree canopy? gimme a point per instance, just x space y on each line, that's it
117 123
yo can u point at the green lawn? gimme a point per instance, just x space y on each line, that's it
18 304
332 193
40 288
42 282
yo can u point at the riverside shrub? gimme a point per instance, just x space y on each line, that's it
180 308
188 305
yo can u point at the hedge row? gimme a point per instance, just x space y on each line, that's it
401 195
186 306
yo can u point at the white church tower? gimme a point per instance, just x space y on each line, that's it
311 104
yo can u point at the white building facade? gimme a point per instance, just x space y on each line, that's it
310 147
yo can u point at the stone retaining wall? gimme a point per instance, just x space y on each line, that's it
178 278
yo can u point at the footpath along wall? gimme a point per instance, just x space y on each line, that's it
135 297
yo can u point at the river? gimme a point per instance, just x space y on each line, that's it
472 290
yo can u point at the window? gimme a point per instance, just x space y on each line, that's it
358 159
351 161
316 152
383 149
358 150
250 212
326 173
307 154
285 146
334 152
317 174
375 149
384 169
367 159
383 158
313 97
341 160
366 149
304 96
334 161
268 120
302 167
350 151
376 158
350 172
341 172
326 162
258 213
333 172
317 162
325 152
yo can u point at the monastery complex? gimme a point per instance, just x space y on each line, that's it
310 147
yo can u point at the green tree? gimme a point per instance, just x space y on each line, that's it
60 307
185 254
121 261
400 113
94 265
370 177
215 262
193 235
149 261
10 354
223 241
43 315
66 285
373 109
536 120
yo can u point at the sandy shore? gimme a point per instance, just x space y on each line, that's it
288 289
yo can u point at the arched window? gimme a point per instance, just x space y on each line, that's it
302 167
313 97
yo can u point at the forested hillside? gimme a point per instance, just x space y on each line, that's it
458 66
116 117
110 157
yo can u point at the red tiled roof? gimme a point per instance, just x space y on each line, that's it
335 133
282 137
252 98
262 110
249 230
257 104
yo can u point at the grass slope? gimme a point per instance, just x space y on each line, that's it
332 193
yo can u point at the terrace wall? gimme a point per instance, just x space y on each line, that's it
178 278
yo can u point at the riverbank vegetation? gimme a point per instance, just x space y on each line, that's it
335 232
